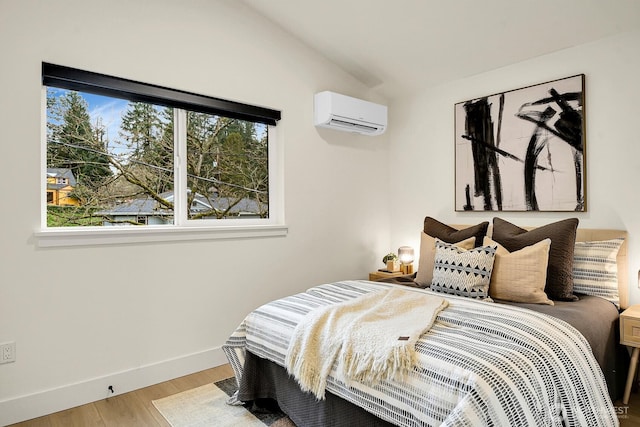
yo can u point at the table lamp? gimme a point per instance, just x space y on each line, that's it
405 255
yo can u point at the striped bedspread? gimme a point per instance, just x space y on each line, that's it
480 364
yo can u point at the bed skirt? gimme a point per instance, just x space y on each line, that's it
264 379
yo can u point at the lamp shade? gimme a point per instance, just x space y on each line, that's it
405 254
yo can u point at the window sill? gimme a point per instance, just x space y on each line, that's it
126 235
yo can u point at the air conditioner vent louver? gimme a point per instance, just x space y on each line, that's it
341 112
352 126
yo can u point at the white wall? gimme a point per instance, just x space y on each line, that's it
132 315
422 149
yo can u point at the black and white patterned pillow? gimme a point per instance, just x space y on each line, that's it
463 272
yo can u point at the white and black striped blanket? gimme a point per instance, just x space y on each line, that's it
480 364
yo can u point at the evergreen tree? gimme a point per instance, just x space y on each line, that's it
148 134
75 144
140 128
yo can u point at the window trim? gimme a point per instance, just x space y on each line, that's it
90 236
274 226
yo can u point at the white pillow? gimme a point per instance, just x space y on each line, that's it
595 270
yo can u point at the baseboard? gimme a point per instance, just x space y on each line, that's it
71 395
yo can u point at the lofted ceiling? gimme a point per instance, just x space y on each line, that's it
399 46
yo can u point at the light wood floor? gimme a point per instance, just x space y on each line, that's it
629 415
135 408
129 409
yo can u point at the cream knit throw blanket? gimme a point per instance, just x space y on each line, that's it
372 338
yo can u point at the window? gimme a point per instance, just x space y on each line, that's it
133 155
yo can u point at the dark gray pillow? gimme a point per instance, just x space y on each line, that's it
435 228
559 284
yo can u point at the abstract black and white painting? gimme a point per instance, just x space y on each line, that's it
522 150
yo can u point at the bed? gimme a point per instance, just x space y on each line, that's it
481 363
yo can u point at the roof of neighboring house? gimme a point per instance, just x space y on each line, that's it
244 205
60 173
149 206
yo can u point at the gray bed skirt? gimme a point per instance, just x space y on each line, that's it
264 379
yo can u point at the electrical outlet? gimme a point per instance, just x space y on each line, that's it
7 352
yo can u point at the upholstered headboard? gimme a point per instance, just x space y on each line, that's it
595 234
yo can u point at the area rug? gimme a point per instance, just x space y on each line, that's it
206 406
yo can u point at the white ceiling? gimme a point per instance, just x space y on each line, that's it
398 46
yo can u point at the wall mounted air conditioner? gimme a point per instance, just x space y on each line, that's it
340 112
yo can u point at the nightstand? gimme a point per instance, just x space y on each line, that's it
377 275
630 336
